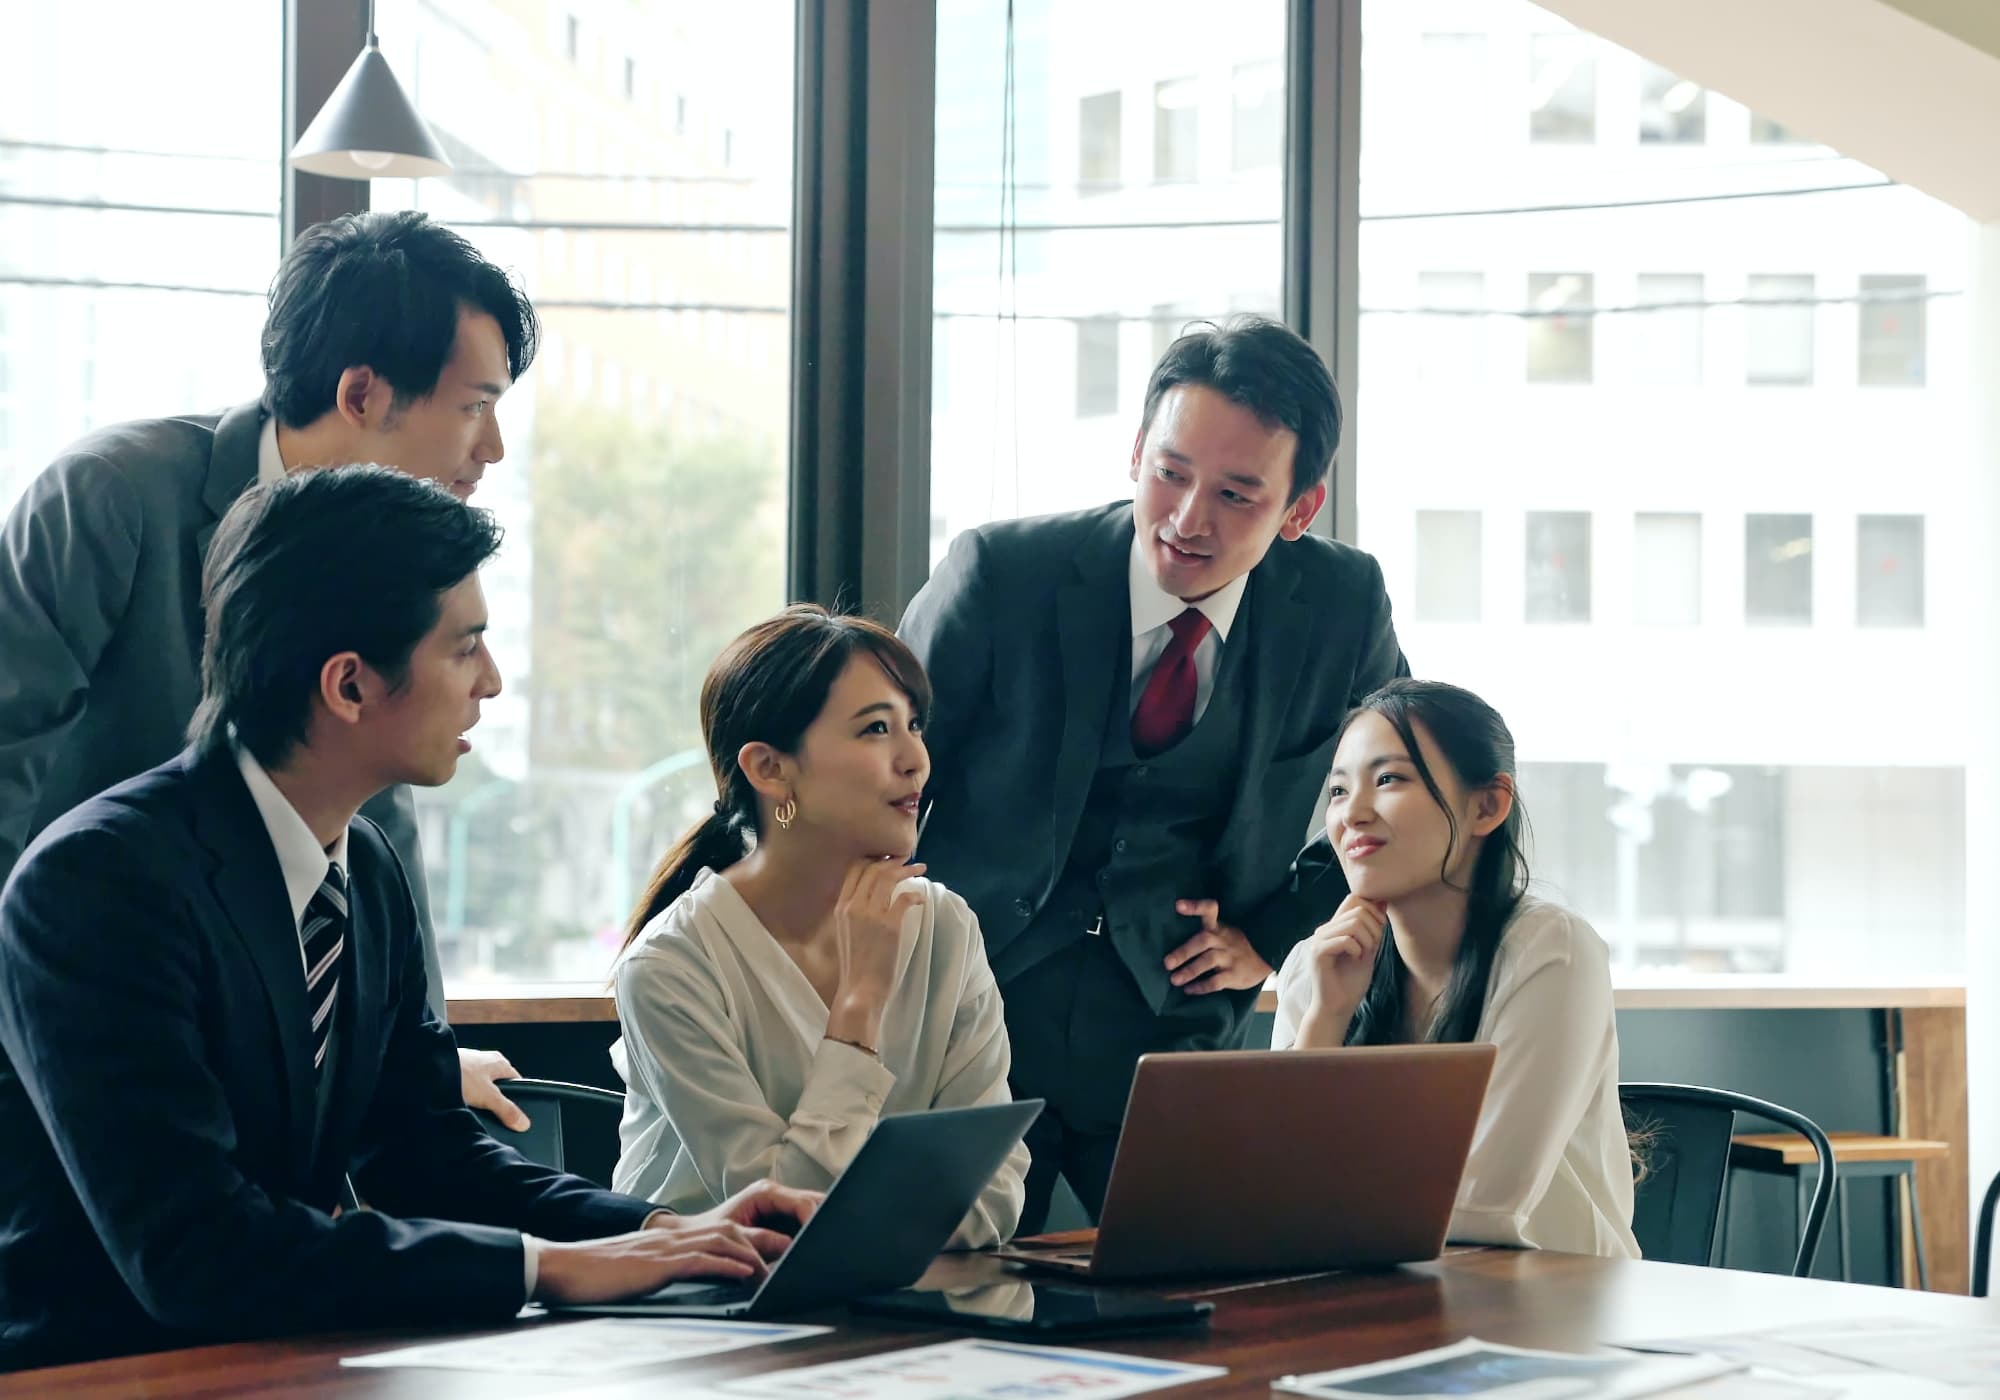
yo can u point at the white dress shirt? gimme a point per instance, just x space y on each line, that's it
730 1078
270 466
1550 1166
1153 608
303 863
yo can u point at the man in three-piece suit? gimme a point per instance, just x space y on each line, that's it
212 989
1135 710
389 339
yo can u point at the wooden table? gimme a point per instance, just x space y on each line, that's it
1260 1331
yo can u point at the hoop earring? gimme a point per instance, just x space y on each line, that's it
787 813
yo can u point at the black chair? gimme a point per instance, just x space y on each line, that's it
1982 1243
1681 1134
571 1127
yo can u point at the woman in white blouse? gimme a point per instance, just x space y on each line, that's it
1438 942
787 979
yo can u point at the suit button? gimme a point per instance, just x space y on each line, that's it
1120 847
1024 907
1141 771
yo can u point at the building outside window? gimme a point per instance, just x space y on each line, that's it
1778 568
1561 331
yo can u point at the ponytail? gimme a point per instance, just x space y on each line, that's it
715 843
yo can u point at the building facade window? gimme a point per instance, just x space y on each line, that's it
1780 326
1672 110
1778 568
1257 112
1893 331
1562 88
1558 580
1668 342
1666 569
1561 327
1096 368
1100 142
1449 565
1176 131
1889 571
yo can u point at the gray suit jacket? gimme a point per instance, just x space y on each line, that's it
1022 631
101 625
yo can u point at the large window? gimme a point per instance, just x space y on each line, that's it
633 167
137 234
1704 511
1073 244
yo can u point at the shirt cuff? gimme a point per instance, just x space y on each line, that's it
531 1264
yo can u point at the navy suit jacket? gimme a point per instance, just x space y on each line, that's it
161 1184
1022 630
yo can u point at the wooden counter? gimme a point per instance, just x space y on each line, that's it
570 1002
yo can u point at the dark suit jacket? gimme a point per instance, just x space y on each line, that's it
101 623
1023 630
160 1184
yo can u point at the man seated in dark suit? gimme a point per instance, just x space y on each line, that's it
389 339
1136 709
212 993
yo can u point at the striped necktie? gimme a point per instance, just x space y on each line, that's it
323 933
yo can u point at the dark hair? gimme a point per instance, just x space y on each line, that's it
381 290
767 687
322 562
1476 743
1270 370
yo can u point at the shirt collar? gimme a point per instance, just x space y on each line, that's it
270 466
1154 607
301 858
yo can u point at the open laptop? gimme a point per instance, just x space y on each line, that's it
1255 1161
883 1221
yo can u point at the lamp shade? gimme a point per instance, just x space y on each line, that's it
368 130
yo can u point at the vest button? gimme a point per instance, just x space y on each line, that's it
1024 907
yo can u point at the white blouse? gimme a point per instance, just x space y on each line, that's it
1550 1167
729 1077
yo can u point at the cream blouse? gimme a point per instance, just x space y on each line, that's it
729 1077
1550 1167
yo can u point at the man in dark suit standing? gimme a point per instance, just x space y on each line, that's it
1136 707
389 340
225 943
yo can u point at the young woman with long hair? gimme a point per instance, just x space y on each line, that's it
787 979
1439 942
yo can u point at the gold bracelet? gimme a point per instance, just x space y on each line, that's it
870 1051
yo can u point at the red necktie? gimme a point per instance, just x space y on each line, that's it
1166 706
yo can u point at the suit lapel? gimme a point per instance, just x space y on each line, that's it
251 890
1090 610
1279 636
232 470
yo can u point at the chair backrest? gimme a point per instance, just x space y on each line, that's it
1982 1243
1681 1134
571 1127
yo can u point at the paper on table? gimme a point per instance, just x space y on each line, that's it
1962 1356
1959 1356
589 1348
1496 1372
975 1371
